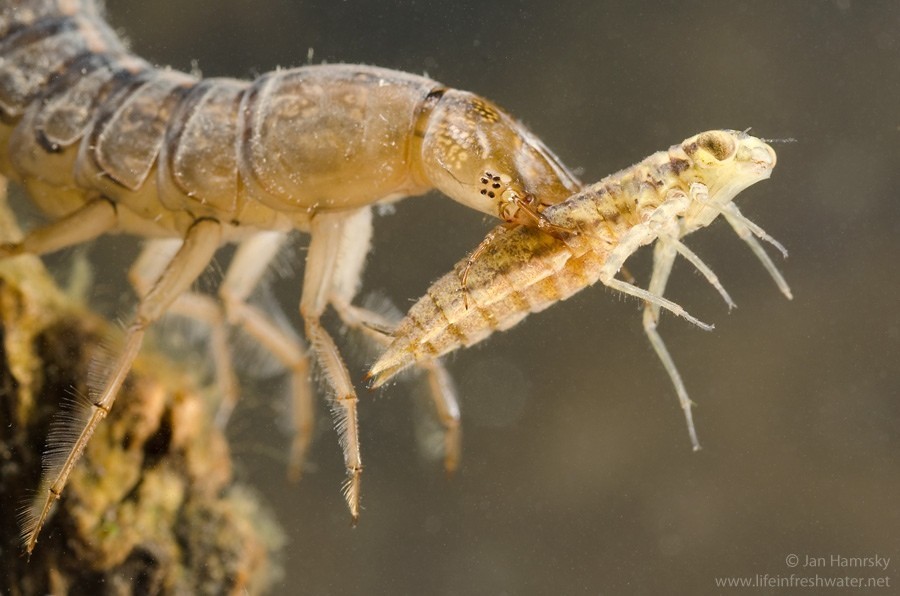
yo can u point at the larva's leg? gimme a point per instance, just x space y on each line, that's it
207 310
631 290
659 222
698 193
289 350
250 262
663 258
440 384
247 267
199 246
148 267
748 232
153 259
89 221
443 394
336 254
702 267
731 212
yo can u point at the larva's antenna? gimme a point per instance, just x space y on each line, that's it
785 140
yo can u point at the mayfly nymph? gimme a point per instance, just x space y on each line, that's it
520 271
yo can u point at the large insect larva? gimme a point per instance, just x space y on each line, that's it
661 199
103 143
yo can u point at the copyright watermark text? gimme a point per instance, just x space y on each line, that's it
821 571
838 561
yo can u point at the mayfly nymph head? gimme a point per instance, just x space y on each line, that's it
482 157
730 153
725 162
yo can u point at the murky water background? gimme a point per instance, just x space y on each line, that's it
577 474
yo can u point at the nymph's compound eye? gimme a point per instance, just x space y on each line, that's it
718 143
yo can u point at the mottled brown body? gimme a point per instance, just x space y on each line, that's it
105 143
664 197
81 118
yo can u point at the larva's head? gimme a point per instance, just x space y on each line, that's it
726 162
477 154
729 159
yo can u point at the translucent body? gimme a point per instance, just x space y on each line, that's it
105 143
83 118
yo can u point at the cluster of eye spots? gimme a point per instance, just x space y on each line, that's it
484 110
489 180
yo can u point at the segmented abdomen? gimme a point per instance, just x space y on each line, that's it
81 117
524 271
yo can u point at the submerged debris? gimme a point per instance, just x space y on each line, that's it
152 508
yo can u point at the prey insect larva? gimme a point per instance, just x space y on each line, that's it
105 143
659 200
